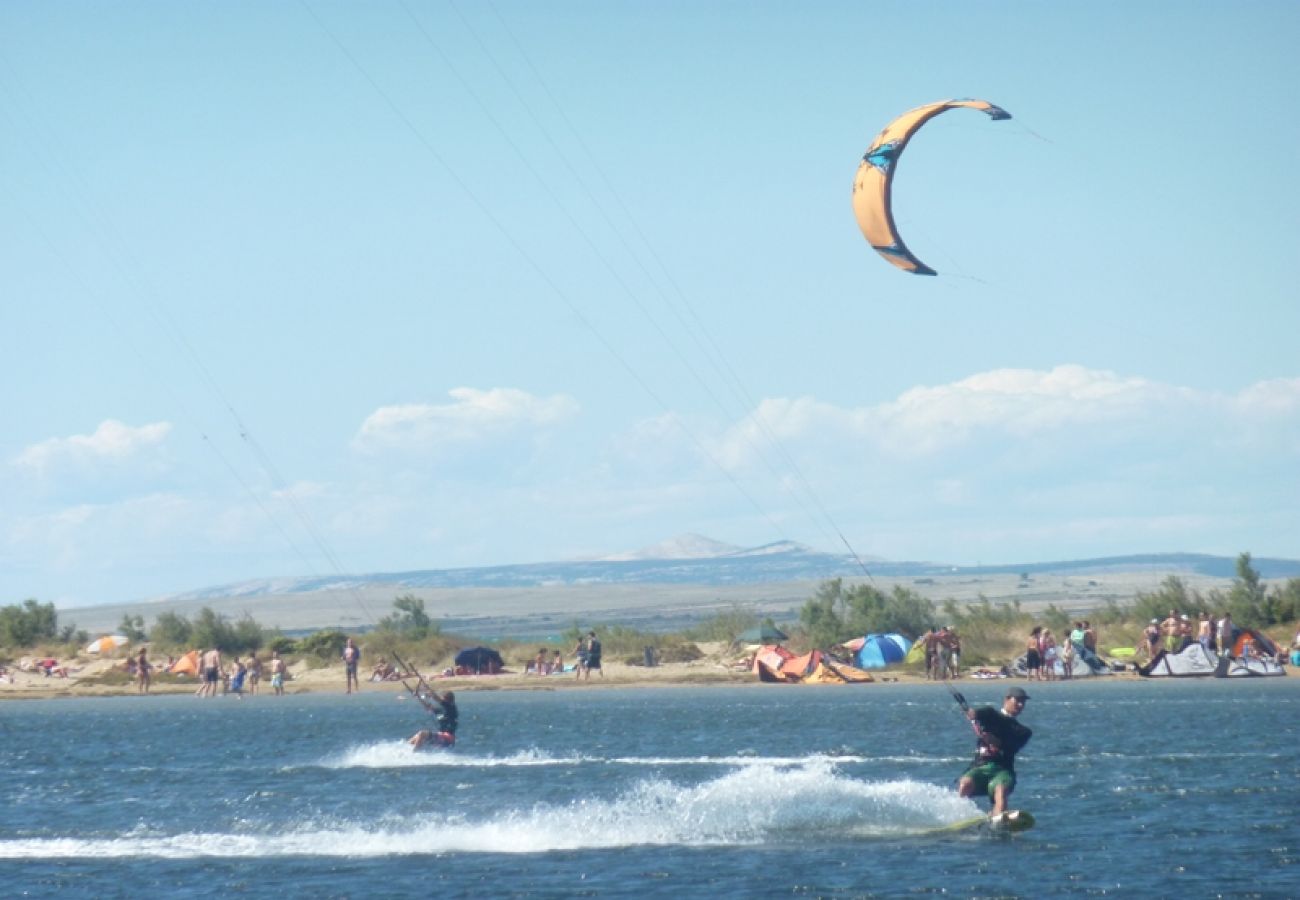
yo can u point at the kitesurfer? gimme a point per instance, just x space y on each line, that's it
443 708
1000 737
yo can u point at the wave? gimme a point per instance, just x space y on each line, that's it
758 804
398 754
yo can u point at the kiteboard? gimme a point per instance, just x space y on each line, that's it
1012 820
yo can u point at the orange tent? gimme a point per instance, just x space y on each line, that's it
186 665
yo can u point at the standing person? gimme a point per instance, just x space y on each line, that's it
254 672
1227 634
954 654
931 653
999 736
237 675
142 670
443 708
276 665
1033 658
351 657
580 657
1170 629
1151 635
1067 658
210 667
1089 637
593 656
1047 650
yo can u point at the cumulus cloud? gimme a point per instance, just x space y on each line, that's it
112 441
472 416
1014 403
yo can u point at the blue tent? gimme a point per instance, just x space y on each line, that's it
879 650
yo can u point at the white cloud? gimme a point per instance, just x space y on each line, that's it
112 441
473 416
1068 402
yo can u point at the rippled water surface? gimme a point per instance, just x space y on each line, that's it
1143 788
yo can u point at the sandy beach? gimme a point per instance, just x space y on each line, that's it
714 668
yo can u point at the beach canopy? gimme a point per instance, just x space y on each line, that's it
880 650
479 660
107 644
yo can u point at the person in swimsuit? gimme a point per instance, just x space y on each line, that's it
276 665
1000 737
210 666
1033 661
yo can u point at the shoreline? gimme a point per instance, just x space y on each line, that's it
330 680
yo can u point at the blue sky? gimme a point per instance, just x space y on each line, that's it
307 288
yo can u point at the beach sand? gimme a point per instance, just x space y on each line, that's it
714 669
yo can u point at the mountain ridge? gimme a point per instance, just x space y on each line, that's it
694 559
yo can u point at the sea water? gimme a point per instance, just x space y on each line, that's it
1139 788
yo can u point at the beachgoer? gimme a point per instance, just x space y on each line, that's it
1000 737
1169 628
1151 638
276 666
954 654
142 669
557 664
931 641
210 667
580 654
540 664
1089 638
593 656
351 656
1047 651
1067 659
443 708
942 654
254 672
1227 634
238 673
1033 657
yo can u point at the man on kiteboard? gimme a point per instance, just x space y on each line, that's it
1000 737
443 708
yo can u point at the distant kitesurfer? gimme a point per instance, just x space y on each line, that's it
443 708
1000 737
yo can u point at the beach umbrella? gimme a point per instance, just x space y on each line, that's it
879 650
107 644
764 634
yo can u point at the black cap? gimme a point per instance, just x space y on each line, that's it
1018 693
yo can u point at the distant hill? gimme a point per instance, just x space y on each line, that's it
696 560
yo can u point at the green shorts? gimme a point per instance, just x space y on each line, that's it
988 776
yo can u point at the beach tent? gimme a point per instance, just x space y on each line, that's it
479 661
108 643
186 665
1193 661
1247 667
880 650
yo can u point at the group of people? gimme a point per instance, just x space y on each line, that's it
1176 632
942 653
546 662
587 652
238 675
1043 651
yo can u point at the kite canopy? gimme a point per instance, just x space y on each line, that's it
873 185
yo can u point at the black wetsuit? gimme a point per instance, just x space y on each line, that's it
447 716
1003 737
